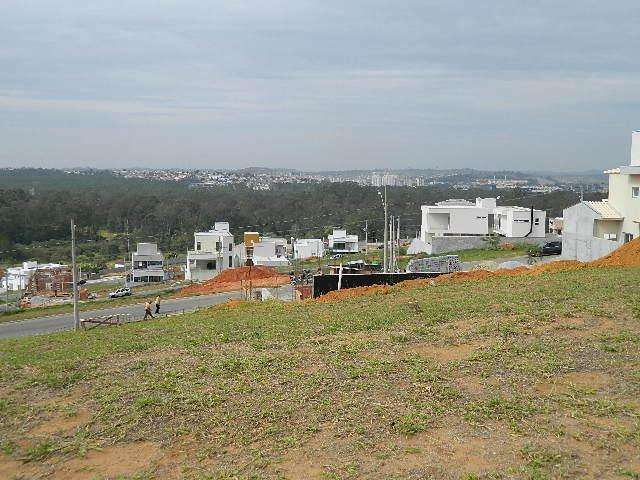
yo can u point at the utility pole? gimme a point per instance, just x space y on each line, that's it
366 237
76 318
398 240
6 284
391 249
386 230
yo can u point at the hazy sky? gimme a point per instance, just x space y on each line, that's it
319 84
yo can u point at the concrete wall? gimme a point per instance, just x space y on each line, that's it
450 244
578 242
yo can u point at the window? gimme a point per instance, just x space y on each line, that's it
628 237
198 246
231 247
230 261
218 246
635 192
211 265
537 221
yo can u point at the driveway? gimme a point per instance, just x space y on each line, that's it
522 259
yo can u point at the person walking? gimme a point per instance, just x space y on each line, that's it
147 310
157 303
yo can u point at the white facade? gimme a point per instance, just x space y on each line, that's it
340 242
213 252
453 219
270 252
461 218
594 229
147 264
519 222
308 248
17 278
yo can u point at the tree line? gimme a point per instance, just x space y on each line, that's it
35 209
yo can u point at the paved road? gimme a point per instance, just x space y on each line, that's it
57 323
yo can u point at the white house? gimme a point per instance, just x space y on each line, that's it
308 248
519 222
459 224
213 252
270 252
455 218
340 242
17 278
147 264
594 229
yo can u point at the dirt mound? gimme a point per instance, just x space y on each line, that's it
232 279
558 266
354 292
245 273
628 255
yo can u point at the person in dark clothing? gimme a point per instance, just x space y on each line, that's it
157 304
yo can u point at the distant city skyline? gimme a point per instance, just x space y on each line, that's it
319 85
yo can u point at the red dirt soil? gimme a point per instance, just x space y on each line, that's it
234 279
627 255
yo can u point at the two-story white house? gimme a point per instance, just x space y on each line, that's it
270 252
304 248
459 224
594 229
456 217
213 252
18 278
519 222
340 242
147 264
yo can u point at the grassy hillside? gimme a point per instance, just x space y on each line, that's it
512 377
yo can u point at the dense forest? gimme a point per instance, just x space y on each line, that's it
36 206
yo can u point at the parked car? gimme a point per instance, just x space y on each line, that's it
120 292
548 248
336 256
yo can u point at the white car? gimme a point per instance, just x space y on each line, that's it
120 292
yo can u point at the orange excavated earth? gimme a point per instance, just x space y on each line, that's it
234 279
627 255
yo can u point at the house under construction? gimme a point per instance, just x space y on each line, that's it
51 279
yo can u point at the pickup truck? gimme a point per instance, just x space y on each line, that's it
120 292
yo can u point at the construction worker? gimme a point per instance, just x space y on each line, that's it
147 310
157 304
